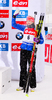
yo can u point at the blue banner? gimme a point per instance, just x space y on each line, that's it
4 3
3 46
22 13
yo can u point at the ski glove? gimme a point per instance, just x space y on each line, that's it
16 12
36 40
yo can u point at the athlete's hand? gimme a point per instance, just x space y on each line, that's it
16 12
36 40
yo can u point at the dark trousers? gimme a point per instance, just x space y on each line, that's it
24 57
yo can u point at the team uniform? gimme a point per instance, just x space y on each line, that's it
26 50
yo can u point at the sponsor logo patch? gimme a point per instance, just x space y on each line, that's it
4 35
22 13
20 3
3 46
4 13
2 24
19 35
48 37
48 53
4 3
15 46
30 32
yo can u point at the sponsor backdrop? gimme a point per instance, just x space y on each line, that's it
48 45
9 44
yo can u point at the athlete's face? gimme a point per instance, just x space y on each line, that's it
29 22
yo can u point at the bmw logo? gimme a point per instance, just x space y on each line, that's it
1 24
19 35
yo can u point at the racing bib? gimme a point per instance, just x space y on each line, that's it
29 34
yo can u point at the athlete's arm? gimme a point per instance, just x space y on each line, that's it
17 26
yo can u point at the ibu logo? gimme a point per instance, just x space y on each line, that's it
4 3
